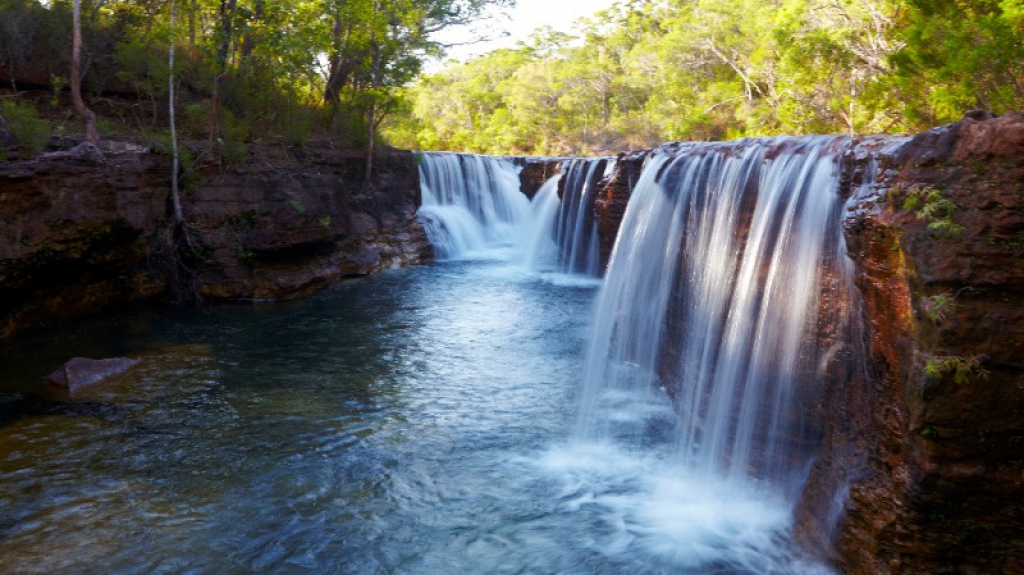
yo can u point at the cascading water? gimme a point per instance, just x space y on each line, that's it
539 252
470 203
704 368
563 237
576 229
712 295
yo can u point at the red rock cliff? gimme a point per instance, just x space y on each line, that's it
936 432
78 233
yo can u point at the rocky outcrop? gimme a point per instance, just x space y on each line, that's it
937 435
80 232
535 171
921 464
613 196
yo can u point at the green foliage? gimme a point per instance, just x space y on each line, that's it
57 83
22 121
939 211
646 71
946 228
937 308
958 56
232 145
632 76
245 70
964 370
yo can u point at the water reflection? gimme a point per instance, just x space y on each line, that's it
365 430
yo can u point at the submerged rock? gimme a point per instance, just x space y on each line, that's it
82 372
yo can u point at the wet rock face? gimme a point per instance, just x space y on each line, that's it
536 171
918 473
613 195
78 233
935 433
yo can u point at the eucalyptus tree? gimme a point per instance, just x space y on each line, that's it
84 113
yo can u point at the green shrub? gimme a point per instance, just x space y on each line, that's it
197 120
963 369
234 133
930 205
296 132
31 131
939 307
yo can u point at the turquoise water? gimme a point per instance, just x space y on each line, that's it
382 426
414 422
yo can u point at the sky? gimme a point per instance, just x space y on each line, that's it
527 16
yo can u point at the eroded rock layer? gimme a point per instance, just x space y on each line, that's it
78 233
936 433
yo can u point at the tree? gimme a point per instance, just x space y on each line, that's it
959 56
84 114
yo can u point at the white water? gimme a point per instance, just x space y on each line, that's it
473 208
743 302
576 229
719 308
470 204
722 311
538 250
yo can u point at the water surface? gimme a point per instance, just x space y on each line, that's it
417 421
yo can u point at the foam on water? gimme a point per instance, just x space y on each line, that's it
648 506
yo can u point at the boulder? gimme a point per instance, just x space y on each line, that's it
82 372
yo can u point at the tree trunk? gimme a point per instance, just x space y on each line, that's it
248 42
372 129
227 10
372 117
179 251
92 135
341 66
175 159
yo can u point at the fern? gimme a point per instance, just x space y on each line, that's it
930 205
947 228
938 307
963 369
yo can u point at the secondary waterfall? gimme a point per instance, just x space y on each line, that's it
712 294
576 229
563 234
470 203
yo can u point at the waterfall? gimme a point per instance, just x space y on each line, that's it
562 236
721 318
712 295
470 203
539 252
576 229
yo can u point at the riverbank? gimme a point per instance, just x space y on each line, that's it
82 231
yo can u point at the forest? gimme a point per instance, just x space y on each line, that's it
649 71
245 70
637 74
